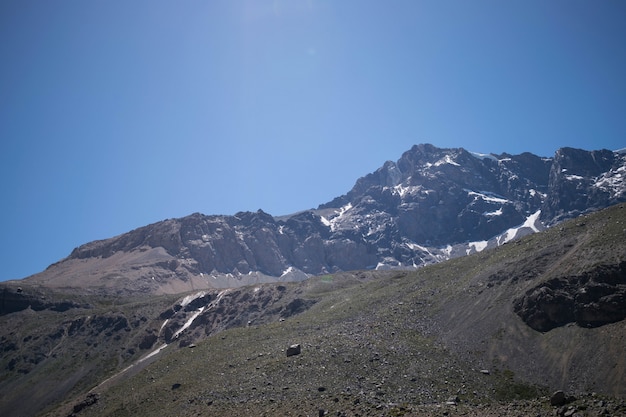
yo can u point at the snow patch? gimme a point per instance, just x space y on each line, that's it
188 322
613 181
192 297
401 190
415 247
483 156
163 325
390 263
509 235
446 160
149 355
344 209
405 190
476 246
333 222
287 271
532 222
534 193
493 213
487 196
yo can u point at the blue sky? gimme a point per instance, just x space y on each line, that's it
116 114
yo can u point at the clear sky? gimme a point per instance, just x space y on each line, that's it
116 114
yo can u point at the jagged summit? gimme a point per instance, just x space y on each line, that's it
430 205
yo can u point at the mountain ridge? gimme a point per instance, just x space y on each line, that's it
430 205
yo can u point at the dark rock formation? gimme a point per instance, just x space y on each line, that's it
17 299
589 300
558 398
220 310
89 400
148 341
296 306
294 350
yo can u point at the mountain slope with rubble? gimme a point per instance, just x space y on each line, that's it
475 335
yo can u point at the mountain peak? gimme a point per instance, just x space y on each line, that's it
430 205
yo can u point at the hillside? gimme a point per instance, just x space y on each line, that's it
477 335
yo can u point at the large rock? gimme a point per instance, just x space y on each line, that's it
294 350
558 398
590 300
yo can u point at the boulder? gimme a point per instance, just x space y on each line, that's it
558 398
294 350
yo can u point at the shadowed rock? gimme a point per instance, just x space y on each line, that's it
294 350
590 300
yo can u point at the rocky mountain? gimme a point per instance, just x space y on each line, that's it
431 205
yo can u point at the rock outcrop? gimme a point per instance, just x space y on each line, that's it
293 350
16 299
589 300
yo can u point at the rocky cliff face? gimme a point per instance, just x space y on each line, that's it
430 205
580 181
